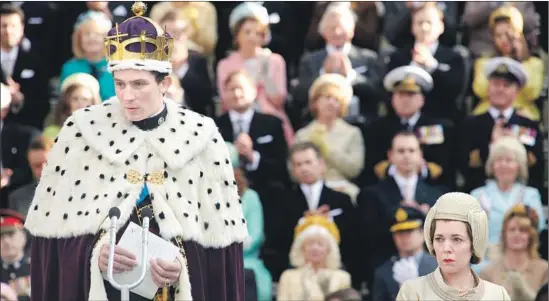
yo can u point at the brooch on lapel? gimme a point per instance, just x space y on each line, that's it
134 177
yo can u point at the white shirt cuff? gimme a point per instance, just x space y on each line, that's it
252 166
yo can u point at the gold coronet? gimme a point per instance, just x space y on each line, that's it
163 43
163 46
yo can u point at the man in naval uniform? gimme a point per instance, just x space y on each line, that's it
137 149
411 261
15 263
505 79
408 85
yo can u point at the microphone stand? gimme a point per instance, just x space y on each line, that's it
114 214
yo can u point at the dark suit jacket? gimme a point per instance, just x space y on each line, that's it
377 205
15 143
397 23
268 139
447 78
29 73
197 86
379 137
475 138
291 206
385 286
366 86
20 199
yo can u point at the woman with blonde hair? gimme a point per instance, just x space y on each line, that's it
507 166
249 23
317 261
519 270
506 24
78 91
456 233
341 144
88 49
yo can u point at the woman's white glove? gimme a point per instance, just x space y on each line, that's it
405 269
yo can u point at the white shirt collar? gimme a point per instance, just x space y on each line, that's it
312 193
345 49
11 55
182 71
506 113
245 118
407 186
433 47
412 120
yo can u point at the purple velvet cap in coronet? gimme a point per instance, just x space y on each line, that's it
139 43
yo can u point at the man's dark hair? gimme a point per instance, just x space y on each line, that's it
404 133
302 146
10 9
40 143
159 76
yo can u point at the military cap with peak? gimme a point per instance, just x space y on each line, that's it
408 79
10 221
507 68
407 218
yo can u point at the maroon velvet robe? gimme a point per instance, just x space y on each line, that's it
60 269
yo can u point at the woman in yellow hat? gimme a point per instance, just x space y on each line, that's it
456 233
317 261
506 24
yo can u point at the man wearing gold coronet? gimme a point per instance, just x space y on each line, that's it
136 150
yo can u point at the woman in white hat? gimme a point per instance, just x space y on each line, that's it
456 233
249 23
77 91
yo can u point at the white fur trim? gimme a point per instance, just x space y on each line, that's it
97 287
146 65
297 258
198 170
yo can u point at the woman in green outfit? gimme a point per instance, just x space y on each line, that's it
253 213
77 91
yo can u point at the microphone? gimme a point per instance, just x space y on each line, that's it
146 213
114 214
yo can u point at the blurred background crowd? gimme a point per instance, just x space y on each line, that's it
363 112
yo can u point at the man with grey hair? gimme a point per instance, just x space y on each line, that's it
359 66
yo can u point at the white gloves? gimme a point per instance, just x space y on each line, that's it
405 269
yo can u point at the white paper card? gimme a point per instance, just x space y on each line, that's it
157 248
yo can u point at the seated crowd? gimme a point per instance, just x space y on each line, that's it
345 121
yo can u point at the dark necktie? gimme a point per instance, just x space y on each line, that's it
406 126
503 119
